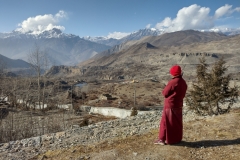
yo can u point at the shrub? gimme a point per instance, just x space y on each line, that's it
134 111
84 122
211 93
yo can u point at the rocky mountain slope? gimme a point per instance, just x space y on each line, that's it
157 46
164 40
180 38
153 56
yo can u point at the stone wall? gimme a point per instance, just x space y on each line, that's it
110 111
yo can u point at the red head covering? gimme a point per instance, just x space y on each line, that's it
175 70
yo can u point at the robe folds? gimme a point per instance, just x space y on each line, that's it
171 126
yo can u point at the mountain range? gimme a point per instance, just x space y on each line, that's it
62 49
161 41
152 56
70 50
133 36
150 32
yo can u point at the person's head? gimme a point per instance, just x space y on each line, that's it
175 71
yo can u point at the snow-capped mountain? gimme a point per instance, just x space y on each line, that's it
133 36
95 39
103 40
142 33
62 49
54 33
226 31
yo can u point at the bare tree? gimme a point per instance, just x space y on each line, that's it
2 67
25 91
3 93
39 62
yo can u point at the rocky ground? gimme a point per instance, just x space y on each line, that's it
210 137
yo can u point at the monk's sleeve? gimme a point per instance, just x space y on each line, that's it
168 90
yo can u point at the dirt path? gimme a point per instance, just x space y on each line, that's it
216 137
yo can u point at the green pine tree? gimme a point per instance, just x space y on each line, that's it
211 93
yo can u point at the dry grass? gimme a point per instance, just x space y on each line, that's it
25 124
211 138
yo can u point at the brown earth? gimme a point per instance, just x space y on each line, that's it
215 137
147 93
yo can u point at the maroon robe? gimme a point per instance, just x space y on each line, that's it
171 127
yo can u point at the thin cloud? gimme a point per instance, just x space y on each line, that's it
227 9
194 17
237 9
225 18
117 35
148 26
42 23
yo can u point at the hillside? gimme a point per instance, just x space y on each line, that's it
204 138
13 63
211 137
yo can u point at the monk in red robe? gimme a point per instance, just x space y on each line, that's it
171 125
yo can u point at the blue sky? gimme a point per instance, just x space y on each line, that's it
116 18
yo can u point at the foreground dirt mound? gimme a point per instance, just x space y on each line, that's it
216 137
